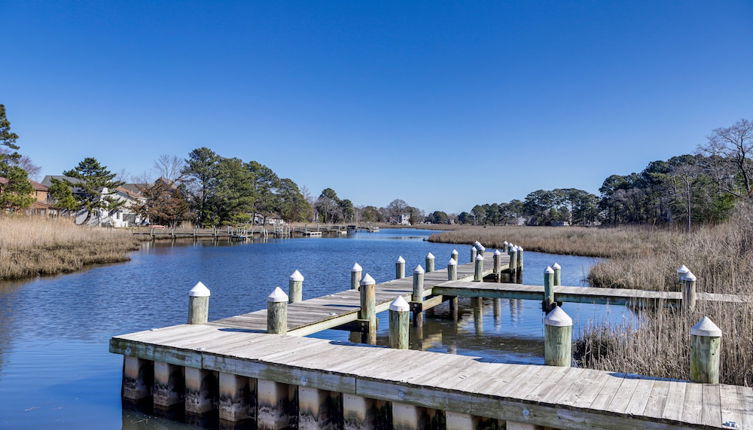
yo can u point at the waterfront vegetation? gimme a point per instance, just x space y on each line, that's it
721 257
32 246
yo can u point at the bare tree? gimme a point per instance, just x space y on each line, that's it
170 167
732 146
24 162
682 178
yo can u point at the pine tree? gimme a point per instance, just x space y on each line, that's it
95 187
16 191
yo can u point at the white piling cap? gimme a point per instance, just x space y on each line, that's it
430 256
418 269
400 305
505 243
199 290
689 277
558 318
296 276
682 270
454 252
706 327
356 268
452 262
496 252
548 270
477 244
277 296
480 257
367 280
556 266
400 259
481 248
519 248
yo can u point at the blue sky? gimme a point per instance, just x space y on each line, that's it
442 104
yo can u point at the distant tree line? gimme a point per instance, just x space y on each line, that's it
686 189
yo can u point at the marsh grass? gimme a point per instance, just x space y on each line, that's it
585 241
32 246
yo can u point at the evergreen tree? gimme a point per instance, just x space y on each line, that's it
234 195
16 191
201 179
95 187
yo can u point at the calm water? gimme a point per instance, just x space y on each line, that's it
56 372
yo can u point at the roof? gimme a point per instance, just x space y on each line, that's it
40 205
37 186
130 194
47 181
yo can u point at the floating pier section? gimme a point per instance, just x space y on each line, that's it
258 370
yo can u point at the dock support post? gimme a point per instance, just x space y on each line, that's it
295 287
688 292
198 304
454 255
358 413
513 265
557 274
237 401
318 409
430 262
458 421
478 268
400 268
368 308
548 289
277 312
418 294
137 379
399 322
511 425
452 270
169 385
355 276
277 405
558 338
497 264
201 389
408 417
705 346
474 252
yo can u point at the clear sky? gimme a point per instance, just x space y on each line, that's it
442 104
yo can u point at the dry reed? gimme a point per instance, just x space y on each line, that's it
32 246
721 257
590 242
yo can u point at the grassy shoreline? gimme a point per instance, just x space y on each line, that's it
32 246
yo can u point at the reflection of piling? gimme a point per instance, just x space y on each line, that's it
477 305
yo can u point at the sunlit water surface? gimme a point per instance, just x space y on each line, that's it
56 371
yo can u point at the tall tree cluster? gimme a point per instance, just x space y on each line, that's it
16 191
228 191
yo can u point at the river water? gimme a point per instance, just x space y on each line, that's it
56 371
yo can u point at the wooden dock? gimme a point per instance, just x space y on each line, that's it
234 370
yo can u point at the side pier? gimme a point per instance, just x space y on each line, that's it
234 371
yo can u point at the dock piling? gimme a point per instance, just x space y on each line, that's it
400 268
513 265
368 308
418 295
355 276
295 287
548 289
237 399
454 255
452 270
705 346
558 337
478 268
688 291
198 304
399 322
557 274
201 390
497 263
277 312
169 386
429 262
474 252
137 379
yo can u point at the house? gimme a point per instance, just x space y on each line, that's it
402 219
40 205
124 216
